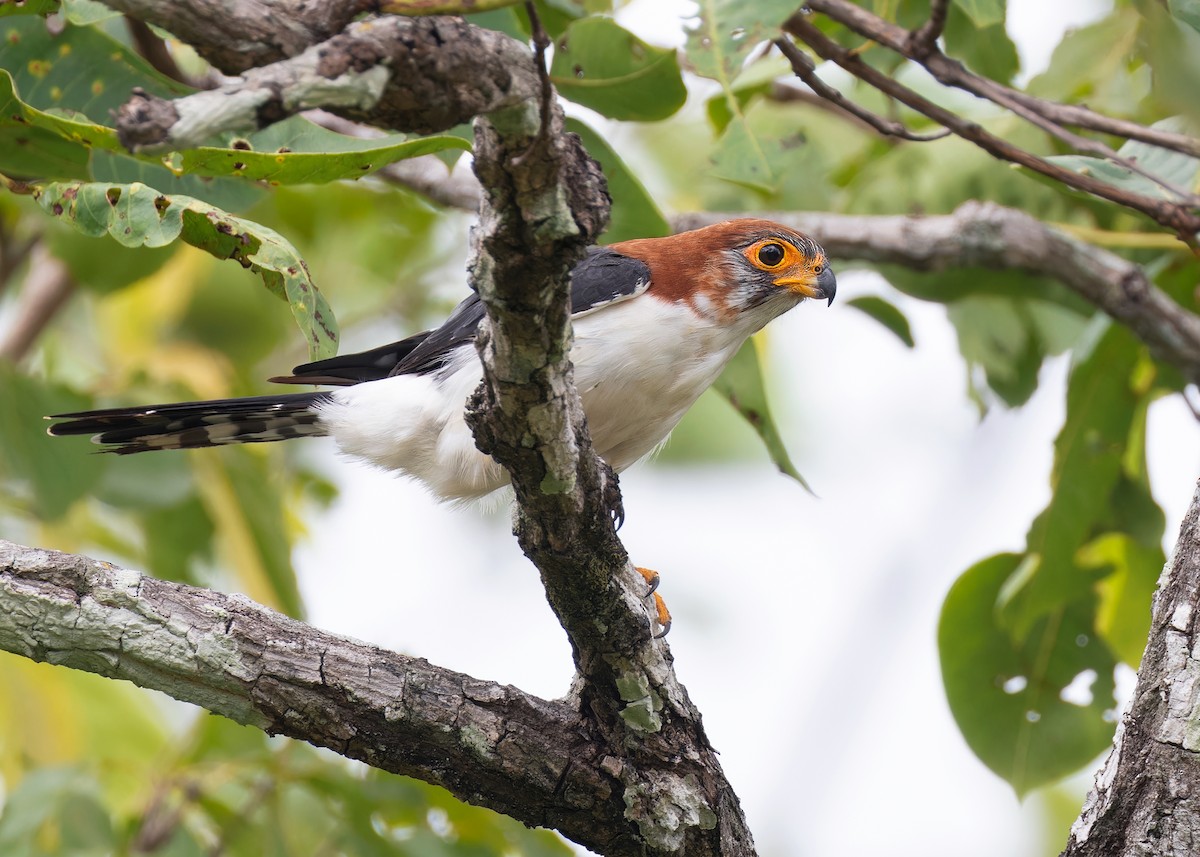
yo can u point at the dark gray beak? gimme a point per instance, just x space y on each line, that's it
827 283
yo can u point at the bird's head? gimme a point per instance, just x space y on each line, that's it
755 268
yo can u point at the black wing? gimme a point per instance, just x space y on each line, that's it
603 277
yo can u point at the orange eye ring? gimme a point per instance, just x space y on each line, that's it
773 254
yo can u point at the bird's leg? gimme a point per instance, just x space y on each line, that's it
661 614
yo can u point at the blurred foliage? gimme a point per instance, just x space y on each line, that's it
1028 640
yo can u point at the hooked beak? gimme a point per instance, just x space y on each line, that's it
824 288
827 283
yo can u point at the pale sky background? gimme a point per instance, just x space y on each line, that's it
804 628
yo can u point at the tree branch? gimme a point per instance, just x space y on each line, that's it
488 744
1146 798
421 75
47 288
807 72
544 202
990 236
247 33
1174 214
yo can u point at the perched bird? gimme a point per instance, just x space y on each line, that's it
655 322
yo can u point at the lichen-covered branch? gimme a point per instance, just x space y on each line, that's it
1146 798
421 75
543 202
488 744
235 36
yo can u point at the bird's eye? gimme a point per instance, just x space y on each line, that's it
817 269
770 255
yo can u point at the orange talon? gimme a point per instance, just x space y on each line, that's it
661 614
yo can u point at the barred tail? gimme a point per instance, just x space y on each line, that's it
190 425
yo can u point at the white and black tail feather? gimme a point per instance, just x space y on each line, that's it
191 425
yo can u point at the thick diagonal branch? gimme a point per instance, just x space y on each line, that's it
488 744
1146 798
421 75
544 202
983 235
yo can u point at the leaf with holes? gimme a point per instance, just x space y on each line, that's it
741 384
728 30
135 215
50 145
600 65
1032 710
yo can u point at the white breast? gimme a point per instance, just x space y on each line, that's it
639 366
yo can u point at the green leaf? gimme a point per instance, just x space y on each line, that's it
744 158
1088 453
28 7
728 31
136 215
998 336
78 70
56 805
85 12
1187 11
635 214
755 81
54 481
1092 64
717 49
741 384
600 65
291 152
983 13
1131 573
1126 179
296 151
886 314
986 49
1007 696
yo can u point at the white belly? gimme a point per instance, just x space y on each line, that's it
637 375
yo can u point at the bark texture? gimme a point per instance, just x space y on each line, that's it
490 744
1146 798
544 202
421 75
623 766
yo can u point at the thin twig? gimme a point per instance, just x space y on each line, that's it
14 252
807 72
47 287
950 72
541 41
154 50
924 39
1176 217
953 73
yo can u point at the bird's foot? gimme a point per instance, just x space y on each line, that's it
612 494
661 614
